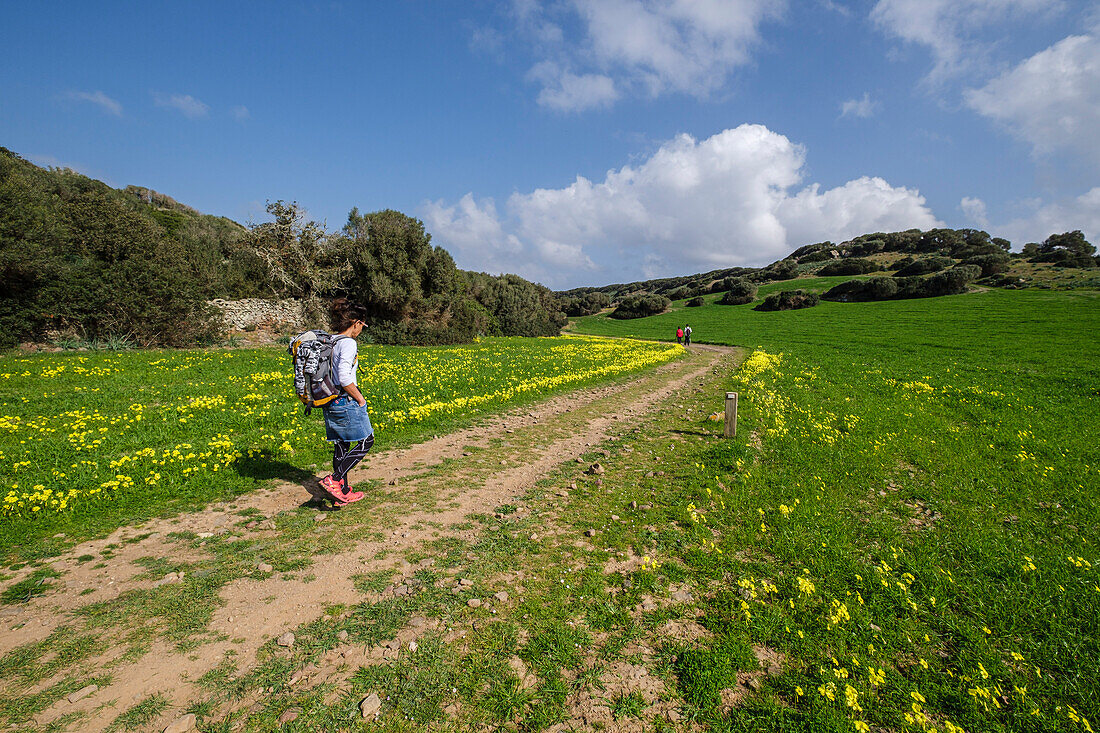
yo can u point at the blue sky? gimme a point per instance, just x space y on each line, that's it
579 142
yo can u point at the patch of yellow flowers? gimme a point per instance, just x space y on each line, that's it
54 461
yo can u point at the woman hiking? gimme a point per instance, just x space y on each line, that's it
346 418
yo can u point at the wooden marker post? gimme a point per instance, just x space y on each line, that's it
731 414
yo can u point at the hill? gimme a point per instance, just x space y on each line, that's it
1061 261
80 257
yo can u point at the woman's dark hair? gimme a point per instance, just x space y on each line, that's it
343 312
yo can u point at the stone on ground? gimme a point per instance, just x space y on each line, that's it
370 705
181 725
82 693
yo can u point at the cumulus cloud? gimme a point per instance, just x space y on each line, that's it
1051 100
974 208
729 200
1082 212
645 46
185 104
952 29
864 107
98 98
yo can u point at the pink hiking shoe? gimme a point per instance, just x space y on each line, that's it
349 498
339 494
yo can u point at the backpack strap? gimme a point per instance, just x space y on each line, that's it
337 337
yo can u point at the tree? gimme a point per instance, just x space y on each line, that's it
392 268
290 248
1069 249
518 307
1073 242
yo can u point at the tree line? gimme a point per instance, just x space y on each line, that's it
79 255
935 262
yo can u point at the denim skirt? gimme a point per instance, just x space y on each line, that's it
346 421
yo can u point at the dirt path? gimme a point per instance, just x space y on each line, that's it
430 491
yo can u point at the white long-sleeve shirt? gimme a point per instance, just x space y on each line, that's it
345 361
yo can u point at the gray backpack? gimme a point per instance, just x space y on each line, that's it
314 381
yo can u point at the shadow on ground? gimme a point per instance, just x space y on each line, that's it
265 468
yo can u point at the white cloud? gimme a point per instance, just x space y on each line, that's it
184 103
835 7
860 206
1082 212
475 230
108 105
487 41
240 113
694 205
974 208
1051 100
952 29
864 107
567 92
648 47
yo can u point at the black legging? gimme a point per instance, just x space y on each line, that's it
345 458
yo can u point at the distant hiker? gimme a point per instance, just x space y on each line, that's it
679 335
687 335
346 418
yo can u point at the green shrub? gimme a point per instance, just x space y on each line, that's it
948 282
818 256
924 266
867 247
991 264
696 302
788 300
741 291
848 266
782 270
1011 282
640 306
679 293
876 288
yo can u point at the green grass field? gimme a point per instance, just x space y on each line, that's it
911 517
901 537
89 442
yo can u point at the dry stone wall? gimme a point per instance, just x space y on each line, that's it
255 313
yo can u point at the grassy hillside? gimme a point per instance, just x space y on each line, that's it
927 471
